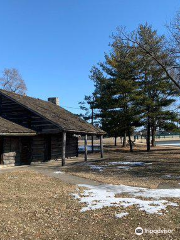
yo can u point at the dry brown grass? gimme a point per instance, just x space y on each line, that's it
34 206
165 161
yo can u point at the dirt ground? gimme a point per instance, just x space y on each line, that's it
161 167
37 206
34 206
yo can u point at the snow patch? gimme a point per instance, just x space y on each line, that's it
98 197
100 168
12 177
95 167
124 167
59 172
120 215
132 164
170 177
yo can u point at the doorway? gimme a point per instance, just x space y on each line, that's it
47 148
25 150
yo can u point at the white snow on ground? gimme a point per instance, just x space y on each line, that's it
119 163
97 197
59 172
124 167
95 167
13 177
170 177
100 168
120 215
167 176
133 164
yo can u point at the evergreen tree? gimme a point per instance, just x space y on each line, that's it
116 91
156 89
131 88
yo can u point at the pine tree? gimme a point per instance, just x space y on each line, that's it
131 88
116 91
156 90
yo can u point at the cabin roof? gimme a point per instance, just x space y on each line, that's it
9 128
62 118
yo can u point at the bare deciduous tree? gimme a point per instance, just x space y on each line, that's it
171 70
174 29
13 81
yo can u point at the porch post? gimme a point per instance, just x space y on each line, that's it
92 143
85 148
77 153
63 148
101 146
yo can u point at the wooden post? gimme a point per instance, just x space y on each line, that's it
85 147
63 148
101 146
77 153
92 144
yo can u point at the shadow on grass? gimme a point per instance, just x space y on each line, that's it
163 163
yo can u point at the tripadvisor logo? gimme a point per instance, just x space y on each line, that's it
138 231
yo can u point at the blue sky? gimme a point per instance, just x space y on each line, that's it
54 43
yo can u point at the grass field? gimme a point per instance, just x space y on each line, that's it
161 166
35 206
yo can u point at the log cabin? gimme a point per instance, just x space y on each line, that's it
34 130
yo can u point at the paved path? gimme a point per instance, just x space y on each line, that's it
51 170
65 177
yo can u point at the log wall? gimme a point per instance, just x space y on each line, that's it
24 150
11 151
71 146
39 147
56 146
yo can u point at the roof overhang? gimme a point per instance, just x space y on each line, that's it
88 133
17 134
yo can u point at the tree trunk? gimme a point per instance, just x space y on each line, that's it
115 141
148 135
124 140
130 142
92 122
153 133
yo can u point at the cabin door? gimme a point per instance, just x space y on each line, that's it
47 148
25 150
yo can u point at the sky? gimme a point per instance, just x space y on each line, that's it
54 43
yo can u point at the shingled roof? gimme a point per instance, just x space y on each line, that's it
62 118
9 128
